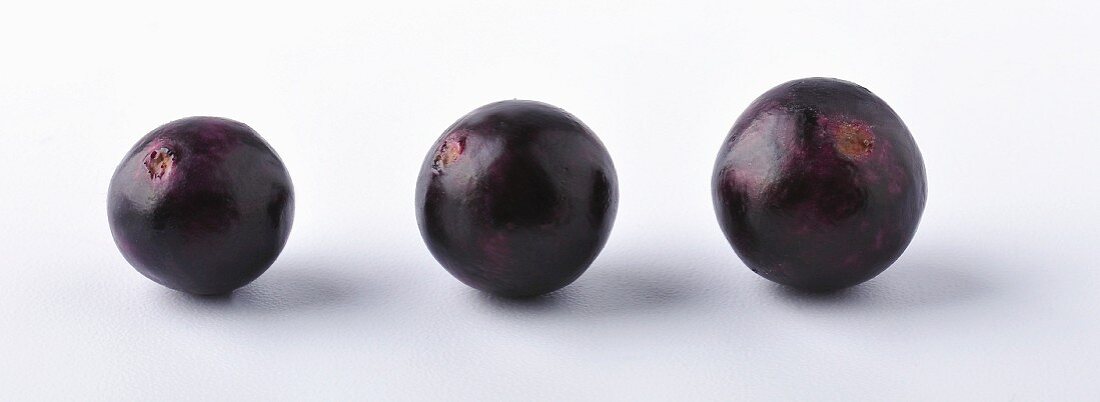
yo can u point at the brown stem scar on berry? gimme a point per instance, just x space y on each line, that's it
448 153
159 162
854 140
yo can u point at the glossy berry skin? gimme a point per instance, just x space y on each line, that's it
819 185
201 204
516 198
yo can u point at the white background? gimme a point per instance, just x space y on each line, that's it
996 298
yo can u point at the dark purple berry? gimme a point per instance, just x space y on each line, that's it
819 185
201 204
516 198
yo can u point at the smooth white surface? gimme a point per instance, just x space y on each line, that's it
996 298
